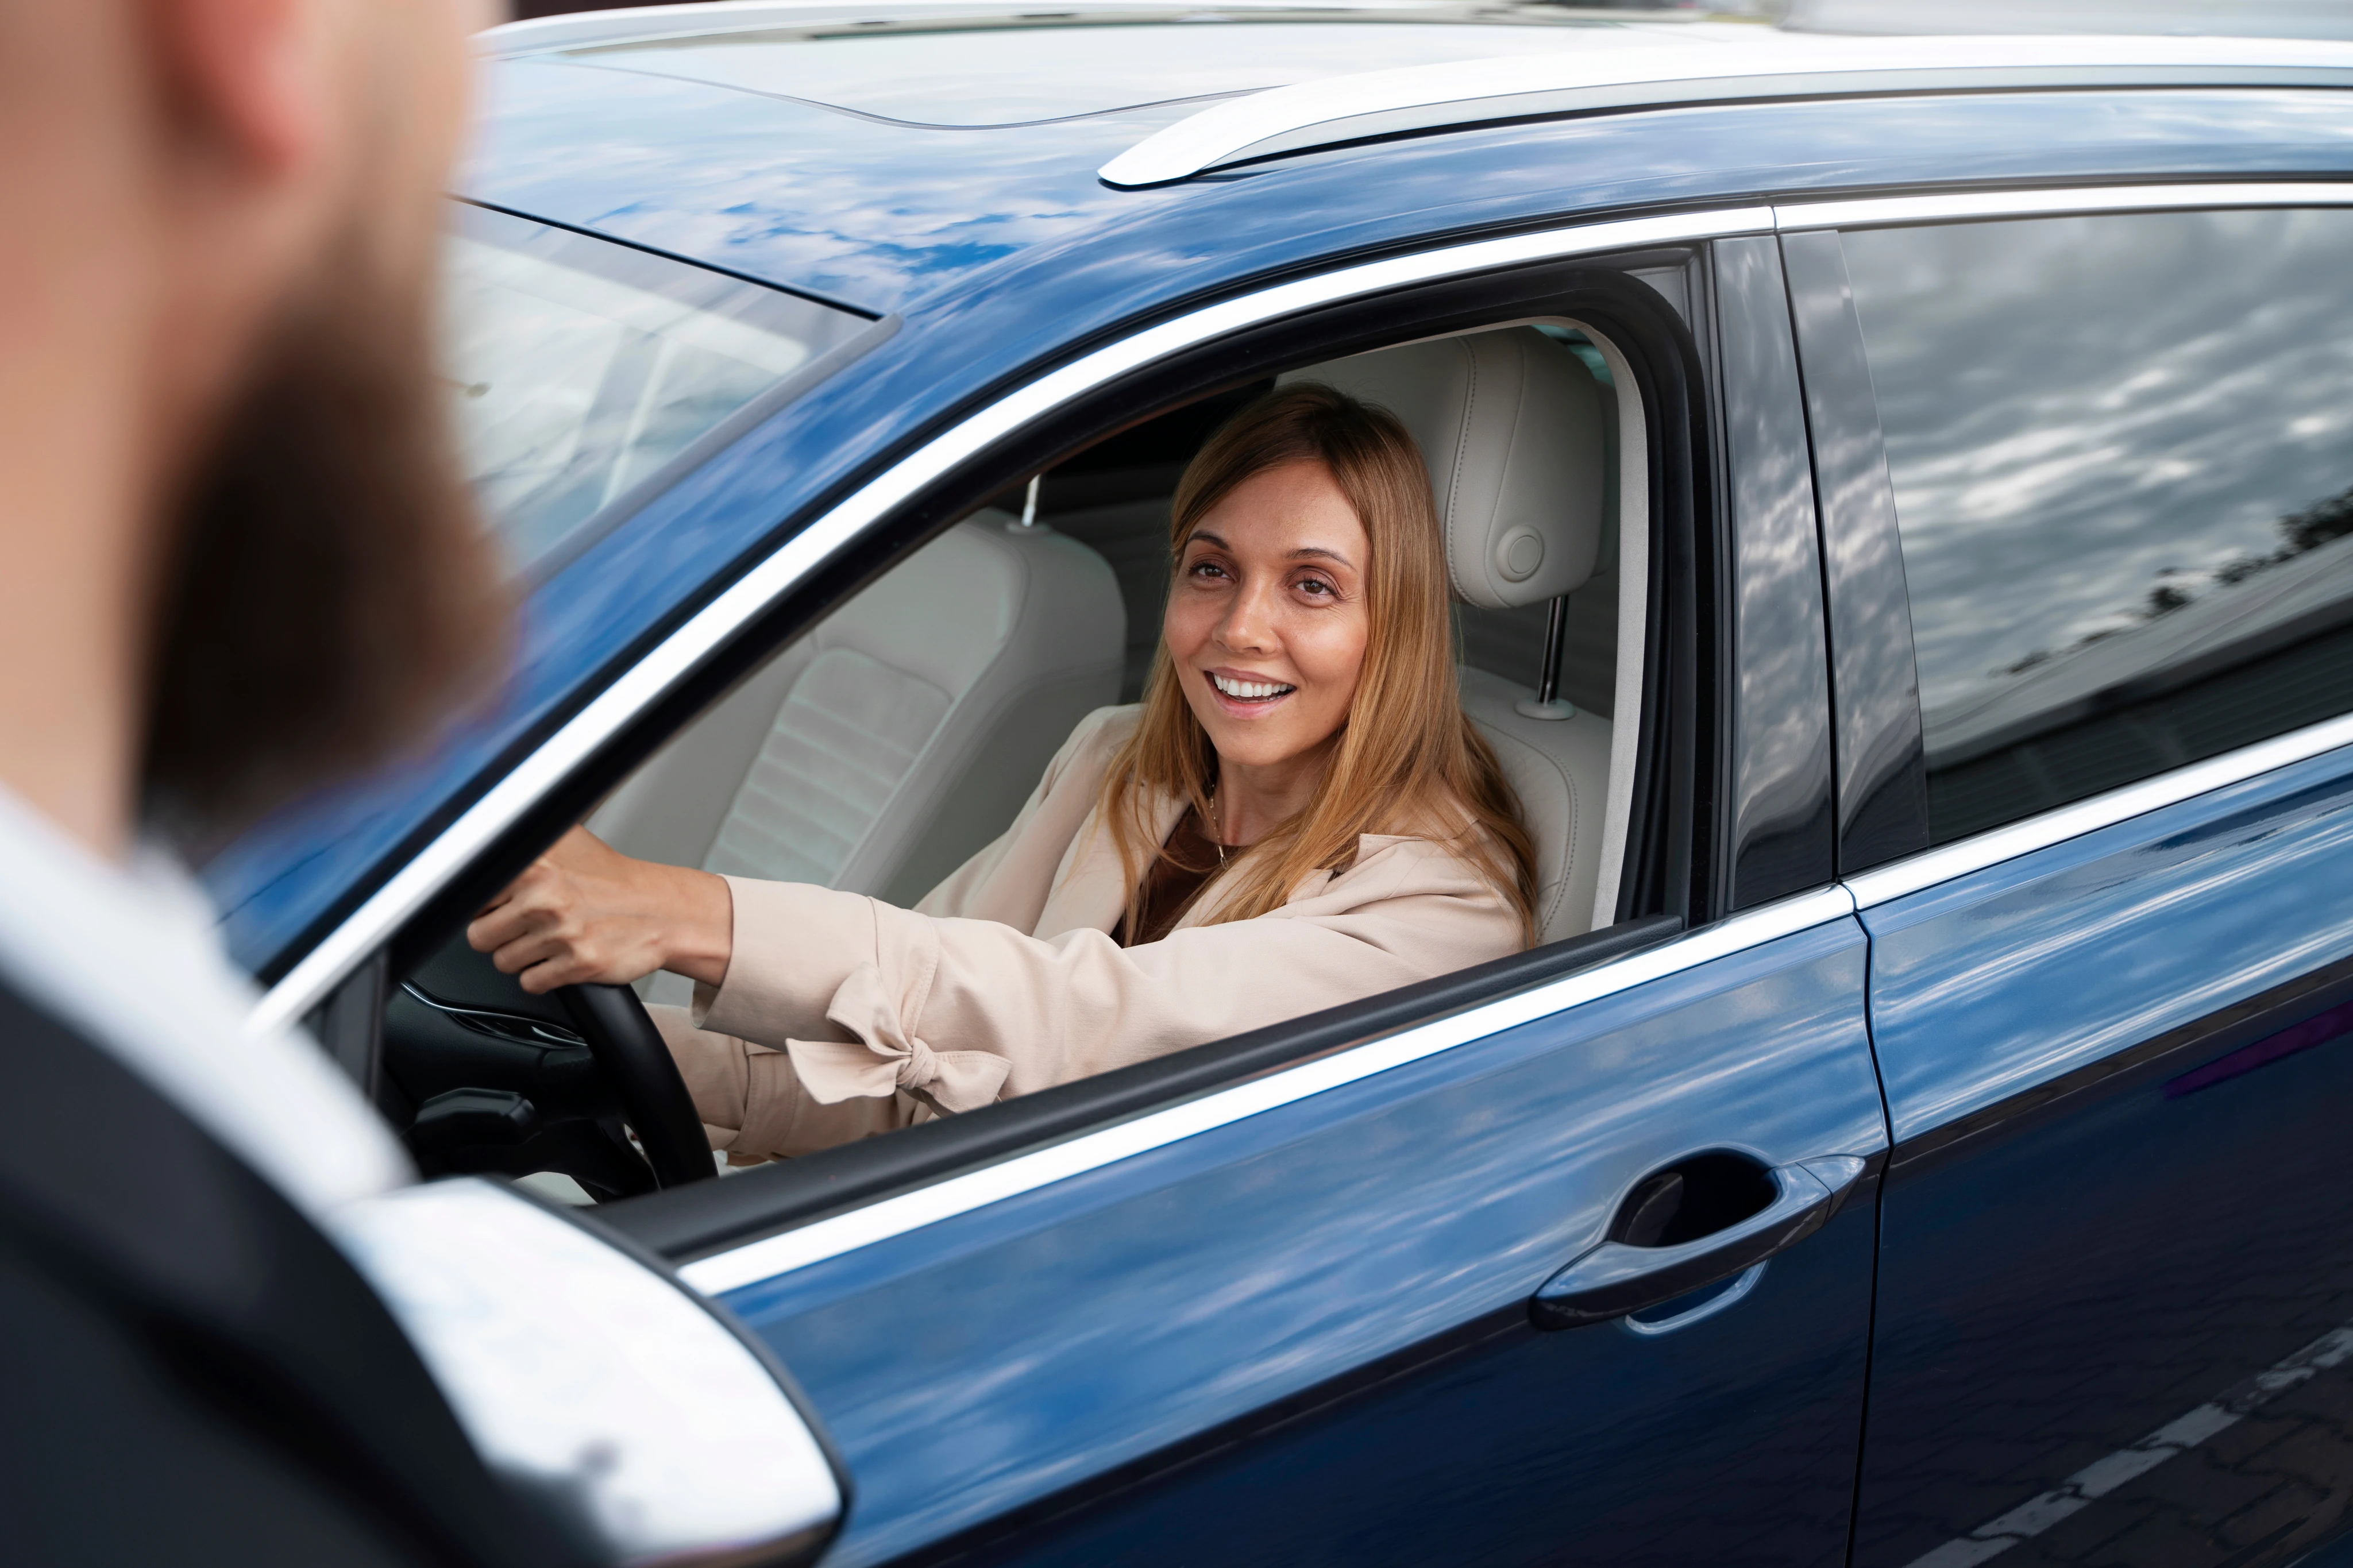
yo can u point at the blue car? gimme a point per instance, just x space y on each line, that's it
1924 1133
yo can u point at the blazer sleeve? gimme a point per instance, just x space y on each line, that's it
1007 881
751 1105
861 1001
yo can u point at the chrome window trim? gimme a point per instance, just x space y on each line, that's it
1879 211
326 965
1456 93
820 1239
1931 866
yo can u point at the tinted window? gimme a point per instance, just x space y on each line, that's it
2121 450
580 368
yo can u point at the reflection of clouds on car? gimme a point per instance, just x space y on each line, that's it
2323 522
2043 495
2298 598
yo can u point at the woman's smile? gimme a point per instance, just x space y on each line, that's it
1246 693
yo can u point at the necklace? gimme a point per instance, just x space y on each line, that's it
1216 832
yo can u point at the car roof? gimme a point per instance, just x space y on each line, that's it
871 153
933 135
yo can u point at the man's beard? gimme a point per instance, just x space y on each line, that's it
330 594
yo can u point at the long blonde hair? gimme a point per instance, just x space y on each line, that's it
1408 760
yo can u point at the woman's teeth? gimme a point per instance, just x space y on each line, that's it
1250 690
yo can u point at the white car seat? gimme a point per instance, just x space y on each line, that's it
883 749
1510 425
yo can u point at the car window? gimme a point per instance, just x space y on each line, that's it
579 368
871 774
867 755
2121 455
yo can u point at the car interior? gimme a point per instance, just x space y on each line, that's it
881 749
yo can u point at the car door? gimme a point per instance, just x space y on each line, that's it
1575 1262
2104 856
1290 1321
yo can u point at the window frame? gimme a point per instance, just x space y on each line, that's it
1669 838
830 558
1673 882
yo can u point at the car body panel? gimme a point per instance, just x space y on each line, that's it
978 1366
2100 930
1726 1440
2118 1068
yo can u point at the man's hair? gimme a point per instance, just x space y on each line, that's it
329 593
1408 760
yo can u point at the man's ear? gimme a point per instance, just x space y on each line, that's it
247 80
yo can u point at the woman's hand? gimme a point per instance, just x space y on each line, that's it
586 912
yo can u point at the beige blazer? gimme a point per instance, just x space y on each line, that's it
841 1015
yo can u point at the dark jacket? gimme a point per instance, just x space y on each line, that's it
191 1372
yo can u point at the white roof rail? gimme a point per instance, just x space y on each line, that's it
1774 65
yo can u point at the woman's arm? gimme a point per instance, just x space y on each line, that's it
585 911
958 1011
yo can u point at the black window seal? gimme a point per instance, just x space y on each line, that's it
1882 767
1778 823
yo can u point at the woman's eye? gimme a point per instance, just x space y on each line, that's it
1315 587
1207 569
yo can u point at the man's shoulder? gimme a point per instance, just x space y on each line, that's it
97 1160
153 1243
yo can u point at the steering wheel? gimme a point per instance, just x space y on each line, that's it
630 1051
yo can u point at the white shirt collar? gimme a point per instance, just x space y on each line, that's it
129 957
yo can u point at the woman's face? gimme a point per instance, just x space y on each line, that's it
1267 622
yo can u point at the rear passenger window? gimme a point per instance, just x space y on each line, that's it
2122 452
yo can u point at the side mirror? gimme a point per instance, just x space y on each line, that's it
644 1419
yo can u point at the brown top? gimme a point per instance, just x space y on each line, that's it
1175 879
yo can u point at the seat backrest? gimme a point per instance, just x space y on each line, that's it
927 712
898 738
1510 425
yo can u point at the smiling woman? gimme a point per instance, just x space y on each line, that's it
1298 815
1310 579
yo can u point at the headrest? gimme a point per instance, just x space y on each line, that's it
1510 424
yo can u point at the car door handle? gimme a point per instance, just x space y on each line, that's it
1616 1279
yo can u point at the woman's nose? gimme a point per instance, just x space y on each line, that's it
1249 622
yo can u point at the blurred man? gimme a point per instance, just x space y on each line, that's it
234 561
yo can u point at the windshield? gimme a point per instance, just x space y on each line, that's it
580 369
